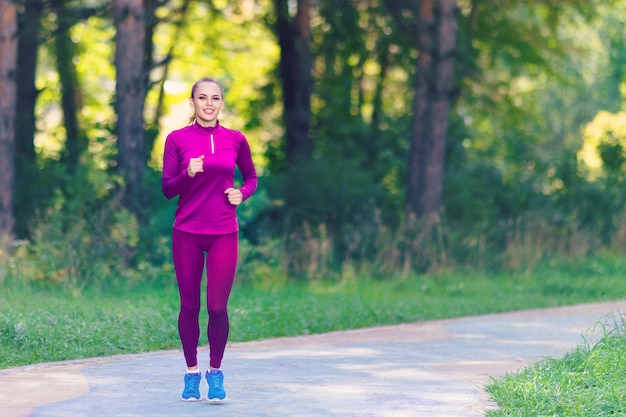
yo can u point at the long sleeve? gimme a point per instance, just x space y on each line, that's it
248 171
175 179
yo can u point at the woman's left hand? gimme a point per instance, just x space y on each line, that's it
235 196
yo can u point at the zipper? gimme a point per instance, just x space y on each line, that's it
212 145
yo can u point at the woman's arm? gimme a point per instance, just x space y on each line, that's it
247 169
175 178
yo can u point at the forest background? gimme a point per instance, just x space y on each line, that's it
391 137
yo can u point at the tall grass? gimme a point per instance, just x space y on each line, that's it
376 249
588 381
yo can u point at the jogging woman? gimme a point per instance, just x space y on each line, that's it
199 167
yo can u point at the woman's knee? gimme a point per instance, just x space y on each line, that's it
190 308
218 312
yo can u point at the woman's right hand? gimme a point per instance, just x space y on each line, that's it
195 166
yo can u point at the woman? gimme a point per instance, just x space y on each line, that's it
199 167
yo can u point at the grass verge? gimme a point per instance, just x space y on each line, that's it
588 381
43 323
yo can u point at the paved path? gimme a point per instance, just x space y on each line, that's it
435 368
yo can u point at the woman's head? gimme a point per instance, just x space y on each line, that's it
207 100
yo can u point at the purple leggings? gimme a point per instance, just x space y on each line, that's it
188 252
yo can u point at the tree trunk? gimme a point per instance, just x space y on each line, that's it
437 28
151 126
8 68
75 140
129 103
25 123
294 37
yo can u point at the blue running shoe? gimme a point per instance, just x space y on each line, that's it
192 387
215 378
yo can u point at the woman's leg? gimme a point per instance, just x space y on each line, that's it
221 267
188 262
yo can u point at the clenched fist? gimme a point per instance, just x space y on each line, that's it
235 196
195 166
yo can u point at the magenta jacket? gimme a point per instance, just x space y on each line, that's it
203 207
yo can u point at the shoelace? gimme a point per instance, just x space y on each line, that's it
192 381
217 381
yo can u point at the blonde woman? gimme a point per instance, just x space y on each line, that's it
199 167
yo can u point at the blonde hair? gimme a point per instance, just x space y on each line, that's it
192 119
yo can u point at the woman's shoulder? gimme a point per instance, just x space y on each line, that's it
179 137
234 133
183 131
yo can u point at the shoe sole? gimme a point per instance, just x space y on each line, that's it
217 400
191 399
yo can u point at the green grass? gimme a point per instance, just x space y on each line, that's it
43 323
588 381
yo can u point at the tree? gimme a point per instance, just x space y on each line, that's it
25 122
75 140
8 68
434 89
294 38
131 88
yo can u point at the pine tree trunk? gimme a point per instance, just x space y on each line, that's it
437 28
75 140
130 98
8 68
25 197
294 36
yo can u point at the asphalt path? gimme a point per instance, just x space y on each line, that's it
434 368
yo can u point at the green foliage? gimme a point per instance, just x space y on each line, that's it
588 381
529 78
85 238
604 142
532 77
242 61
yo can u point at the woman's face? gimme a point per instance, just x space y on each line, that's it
207 102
